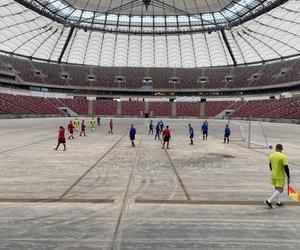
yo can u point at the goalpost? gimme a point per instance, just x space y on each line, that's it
249 133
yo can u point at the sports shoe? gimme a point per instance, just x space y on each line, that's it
268 203
279 204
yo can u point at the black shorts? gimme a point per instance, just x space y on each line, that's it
71 132
62 141
205 133
226 135
132 137
166 138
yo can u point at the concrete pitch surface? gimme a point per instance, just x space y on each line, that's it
103 194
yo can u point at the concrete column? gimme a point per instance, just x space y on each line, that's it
173 109
202 109
119 108
90 108
146 107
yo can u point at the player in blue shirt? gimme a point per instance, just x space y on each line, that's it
162 126
204 130
157 131
132 133
191 133
227 133
151 127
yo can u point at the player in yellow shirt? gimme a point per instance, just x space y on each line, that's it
76 123
93 123
278 164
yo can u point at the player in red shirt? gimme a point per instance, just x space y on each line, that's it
166 137
110 131
82 129
71 129
61 138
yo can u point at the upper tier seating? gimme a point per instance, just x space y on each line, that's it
52 73
105 77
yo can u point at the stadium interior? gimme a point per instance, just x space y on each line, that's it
234 62
211 59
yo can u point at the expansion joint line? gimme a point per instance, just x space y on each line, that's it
112 245
92 167
27 145
177 175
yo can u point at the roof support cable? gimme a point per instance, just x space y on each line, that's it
289 10
167 49
154 51
166 39
171 8
283 19
7 4
238 46
208 50
265 44
87 46
180 50
17 13
55 44
101 48
128 39
258 12
42 43
277 28
30 39
24 22
123 7
27 32
66 44
114 50
228 47
127 8
194 52
224 50
115 42
254 49
272 38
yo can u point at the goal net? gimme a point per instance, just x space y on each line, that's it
249 134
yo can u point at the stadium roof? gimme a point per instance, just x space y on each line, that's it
159 7
151 16
151 33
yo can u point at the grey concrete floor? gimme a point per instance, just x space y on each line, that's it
103 194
